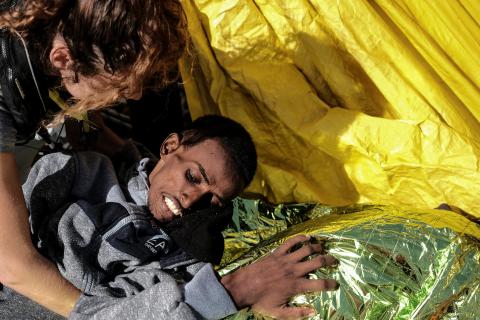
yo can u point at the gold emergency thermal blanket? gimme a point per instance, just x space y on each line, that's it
364 101
394 263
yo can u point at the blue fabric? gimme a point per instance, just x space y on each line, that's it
207 296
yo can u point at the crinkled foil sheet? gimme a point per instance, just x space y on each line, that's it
394 263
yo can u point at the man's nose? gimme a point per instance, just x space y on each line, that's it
190 196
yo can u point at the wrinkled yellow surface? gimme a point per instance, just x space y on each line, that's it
347 101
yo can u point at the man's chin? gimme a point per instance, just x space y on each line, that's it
159 217
162 217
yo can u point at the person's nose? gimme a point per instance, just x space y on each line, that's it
191 195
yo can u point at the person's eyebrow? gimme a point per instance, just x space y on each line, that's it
204 175
203 172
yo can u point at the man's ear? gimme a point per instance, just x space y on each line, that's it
60 57
170 144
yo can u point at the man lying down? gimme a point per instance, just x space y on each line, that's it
138 248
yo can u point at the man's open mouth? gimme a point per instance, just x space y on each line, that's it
173 206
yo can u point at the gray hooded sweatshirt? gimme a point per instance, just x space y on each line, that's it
103 240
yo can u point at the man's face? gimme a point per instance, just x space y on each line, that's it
185 176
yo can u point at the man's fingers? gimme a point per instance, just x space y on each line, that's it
305 251
309 285
290 243
294 313
315 263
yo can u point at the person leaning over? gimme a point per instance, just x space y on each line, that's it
99 51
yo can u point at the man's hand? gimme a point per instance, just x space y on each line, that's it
269 283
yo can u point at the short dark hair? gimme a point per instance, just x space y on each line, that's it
233 137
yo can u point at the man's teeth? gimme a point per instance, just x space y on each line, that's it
171 205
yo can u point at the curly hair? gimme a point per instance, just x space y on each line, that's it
138 42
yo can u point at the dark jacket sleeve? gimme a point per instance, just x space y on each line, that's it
8 133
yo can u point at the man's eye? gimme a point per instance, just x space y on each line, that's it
191 178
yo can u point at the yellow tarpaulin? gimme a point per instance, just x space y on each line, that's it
347 101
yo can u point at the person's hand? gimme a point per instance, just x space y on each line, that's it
269 283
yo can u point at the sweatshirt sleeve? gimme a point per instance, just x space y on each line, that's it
207 296
145 295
